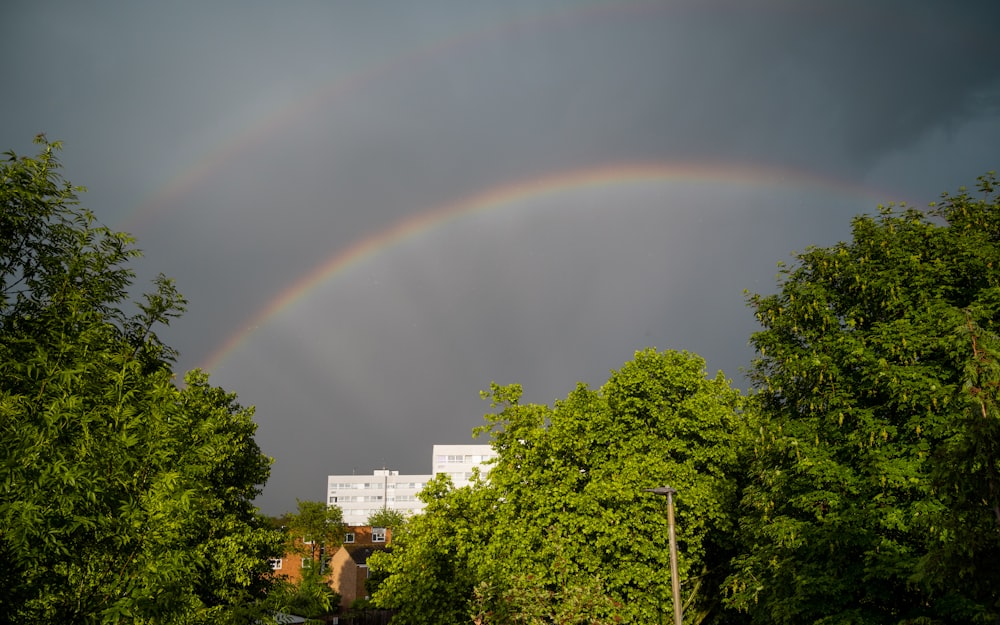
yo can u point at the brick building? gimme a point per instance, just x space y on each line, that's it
348 566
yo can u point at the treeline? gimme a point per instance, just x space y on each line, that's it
858 482
124 496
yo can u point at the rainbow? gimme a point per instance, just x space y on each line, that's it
393 63
500 197
252 135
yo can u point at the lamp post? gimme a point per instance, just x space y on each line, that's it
675 582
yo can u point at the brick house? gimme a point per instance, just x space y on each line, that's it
348 566
291 563
350 572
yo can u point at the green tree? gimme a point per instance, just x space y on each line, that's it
522 601
311 597
386 517
123 498
316 531
876 486
562 522
394 520
427 577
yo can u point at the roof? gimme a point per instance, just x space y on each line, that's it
360 553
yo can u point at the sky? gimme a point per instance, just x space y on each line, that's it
377 208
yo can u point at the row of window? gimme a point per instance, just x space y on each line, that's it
348 485
467 458
358 516
356 498
335 486
278 563
378 536
349 536
370 498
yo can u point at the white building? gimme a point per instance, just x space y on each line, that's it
458 461
359 496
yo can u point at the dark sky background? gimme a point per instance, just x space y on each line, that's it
518 191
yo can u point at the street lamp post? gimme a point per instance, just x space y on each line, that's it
675 581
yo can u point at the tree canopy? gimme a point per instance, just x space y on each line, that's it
316 531
387 517
858 483
124 497
561 529
875 495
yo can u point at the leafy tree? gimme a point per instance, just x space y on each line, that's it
563 524
521 601
123 498
310 597
876 490
316 531
427 577
386 517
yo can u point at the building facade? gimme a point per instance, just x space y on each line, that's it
346 569
360 496
459 461
349 565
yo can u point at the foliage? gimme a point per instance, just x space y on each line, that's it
426 577
316 531
876 490
567 488
522 601
311 597
387 517
123 498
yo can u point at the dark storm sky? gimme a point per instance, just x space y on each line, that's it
512 191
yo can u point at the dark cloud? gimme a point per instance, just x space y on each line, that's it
246 144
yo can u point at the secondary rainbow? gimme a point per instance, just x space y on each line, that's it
375 71
511 194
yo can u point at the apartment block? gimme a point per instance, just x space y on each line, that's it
459 461
359 496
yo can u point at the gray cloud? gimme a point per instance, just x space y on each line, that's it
245 144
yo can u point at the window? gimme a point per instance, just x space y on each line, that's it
333 499
276 564
378 534
349 537
307 563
